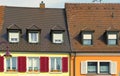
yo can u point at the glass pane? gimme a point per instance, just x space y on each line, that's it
34 36
8 64
92 67
36 63
104 67
14 63
87 42
112 42
52 63
30 64
58 63
58 38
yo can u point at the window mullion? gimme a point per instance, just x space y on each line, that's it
55 64
11 64
33 63
98 67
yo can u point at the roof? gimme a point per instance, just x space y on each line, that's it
92 16
36 18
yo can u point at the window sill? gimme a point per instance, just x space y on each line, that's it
55 71
33 71
101 74
11 71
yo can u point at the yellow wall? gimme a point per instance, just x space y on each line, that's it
29 54
85 58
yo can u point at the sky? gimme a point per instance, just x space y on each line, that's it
48 3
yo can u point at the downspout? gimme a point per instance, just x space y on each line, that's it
74 64
70 64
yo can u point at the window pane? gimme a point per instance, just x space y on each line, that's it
104 67
14 36
34 36
58 63
8 64
52 63
14 63
57 38
30 63
112 42
36 63
87 42
92 67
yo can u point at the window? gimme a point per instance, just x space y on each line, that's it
92 67
87 39
11 64
98 67
13 37
104 67
112 39
33 64
57 37
33 37
56 64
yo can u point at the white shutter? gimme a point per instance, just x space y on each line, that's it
113 67
83 67
87 36
57 38
112 36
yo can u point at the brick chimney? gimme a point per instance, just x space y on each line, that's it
42 4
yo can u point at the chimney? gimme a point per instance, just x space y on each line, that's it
42 4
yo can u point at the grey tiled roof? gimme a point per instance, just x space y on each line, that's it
43 19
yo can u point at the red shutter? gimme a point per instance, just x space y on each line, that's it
1 64
65 64
44 64
22 64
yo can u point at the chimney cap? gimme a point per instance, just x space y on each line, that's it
42 2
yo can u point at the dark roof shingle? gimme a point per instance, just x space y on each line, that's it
44 19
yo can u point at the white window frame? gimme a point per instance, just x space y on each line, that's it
29 37
27 63
98 65
112 37
55 64
57 39
87 36
11 65
112 67
14 35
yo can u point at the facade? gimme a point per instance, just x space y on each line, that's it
94 37
37 39
80 40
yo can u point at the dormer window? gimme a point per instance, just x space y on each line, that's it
33 37
57 37
14 36
87 38
112 38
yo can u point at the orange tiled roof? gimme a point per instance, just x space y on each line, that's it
95 16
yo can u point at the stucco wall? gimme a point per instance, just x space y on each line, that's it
15 54
92 58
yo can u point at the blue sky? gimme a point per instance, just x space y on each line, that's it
49 3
